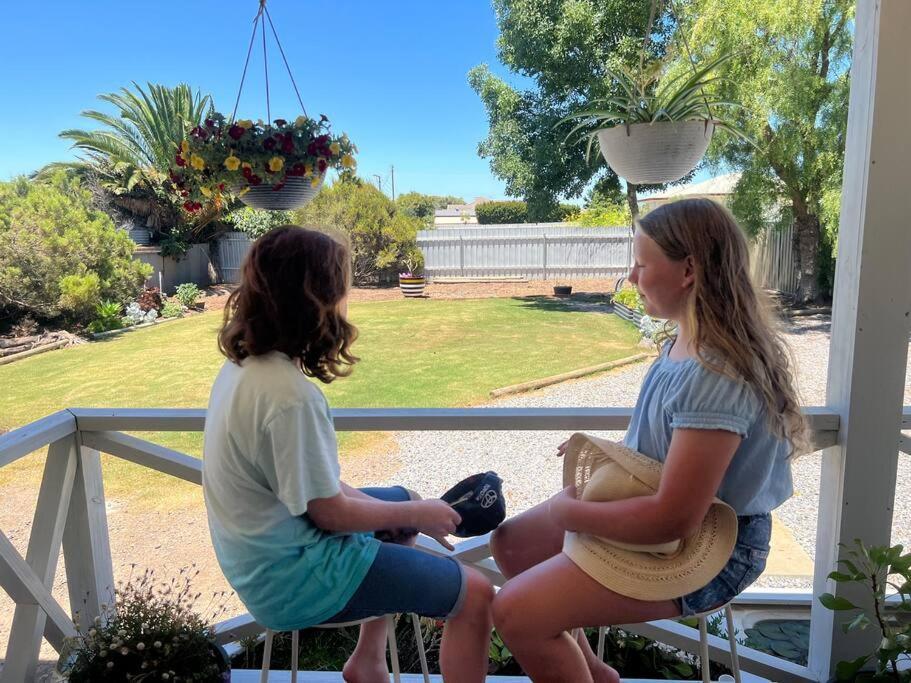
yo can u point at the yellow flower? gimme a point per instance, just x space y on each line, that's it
316 181
308 169
244 123
335 148
243 191
275 164
184 147
232 163
348 161
197 162
206 192
300 121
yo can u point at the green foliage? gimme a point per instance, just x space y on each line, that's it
875 569
257 223
422 206
790 71
496 213
59 256
172 309
151 631
783 638
662 92
603 216
629 297
108 317
382 239
187 294
564 48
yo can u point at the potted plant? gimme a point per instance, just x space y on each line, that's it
412 281
659 124
278 165
151 632
876 568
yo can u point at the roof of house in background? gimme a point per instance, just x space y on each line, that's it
455 210
722 185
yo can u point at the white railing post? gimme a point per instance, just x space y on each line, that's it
870 320
86 546
43 552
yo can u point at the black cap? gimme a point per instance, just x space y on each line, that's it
479 500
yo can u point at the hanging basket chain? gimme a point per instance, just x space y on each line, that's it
263 10
243 77
285 60
689 55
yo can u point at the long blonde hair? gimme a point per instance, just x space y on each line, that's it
730 319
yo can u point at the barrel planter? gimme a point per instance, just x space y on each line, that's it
412 286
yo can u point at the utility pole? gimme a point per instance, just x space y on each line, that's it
392 174
379 181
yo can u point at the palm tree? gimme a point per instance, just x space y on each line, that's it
131 155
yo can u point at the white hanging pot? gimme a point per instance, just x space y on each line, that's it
655 153
296 192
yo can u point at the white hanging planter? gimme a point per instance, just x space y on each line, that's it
296 192
654 153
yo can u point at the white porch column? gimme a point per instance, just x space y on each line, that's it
870 321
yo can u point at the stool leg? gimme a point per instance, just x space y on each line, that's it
704 651
267 657
393 648
601 633
419 639
732 639
295 650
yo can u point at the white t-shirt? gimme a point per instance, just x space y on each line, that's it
269 449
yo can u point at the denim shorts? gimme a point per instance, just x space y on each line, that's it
746 564
403 579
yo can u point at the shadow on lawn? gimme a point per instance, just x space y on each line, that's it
583 302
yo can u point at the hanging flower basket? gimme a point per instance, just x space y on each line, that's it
277 167
653 153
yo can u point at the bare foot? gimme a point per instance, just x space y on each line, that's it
366 670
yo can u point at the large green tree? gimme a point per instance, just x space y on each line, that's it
130 155
562 48
790 71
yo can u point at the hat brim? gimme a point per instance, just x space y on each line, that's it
635 574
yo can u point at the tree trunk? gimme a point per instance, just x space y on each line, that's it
633 201
806 253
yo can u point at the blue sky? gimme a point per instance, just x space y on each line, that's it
392 75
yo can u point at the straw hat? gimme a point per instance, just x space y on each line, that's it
603 470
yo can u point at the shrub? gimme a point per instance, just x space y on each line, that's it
149 299
257 223
108 317
496 213
603 216
136 316
187 294
59 256
629 297
172 309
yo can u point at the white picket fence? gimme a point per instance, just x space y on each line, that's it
543 251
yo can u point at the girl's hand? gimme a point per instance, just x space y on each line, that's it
436 519
560 505
561 449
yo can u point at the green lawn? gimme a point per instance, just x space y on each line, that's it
415 353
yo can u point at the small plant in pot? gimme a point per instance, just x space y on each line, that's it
412 281
150 633
658 124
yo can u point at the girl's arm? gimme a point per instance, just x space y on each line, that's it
696 463
351 512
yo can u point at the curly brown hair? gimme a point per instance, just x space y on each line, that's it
292 282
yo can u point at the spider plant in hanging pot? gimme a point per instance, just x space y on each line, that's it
658 126
275 166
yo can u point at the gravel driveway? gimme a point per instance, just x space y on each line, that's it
433 461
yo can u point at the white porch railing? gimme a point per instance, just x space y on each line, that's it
70 512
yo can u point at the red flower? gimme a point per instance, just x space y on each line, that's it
221 186
278 186
321 165
288 146
296 170
185 193
254 179
210 123
247 172
269 143
199 132
192 206
180 160
236 132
